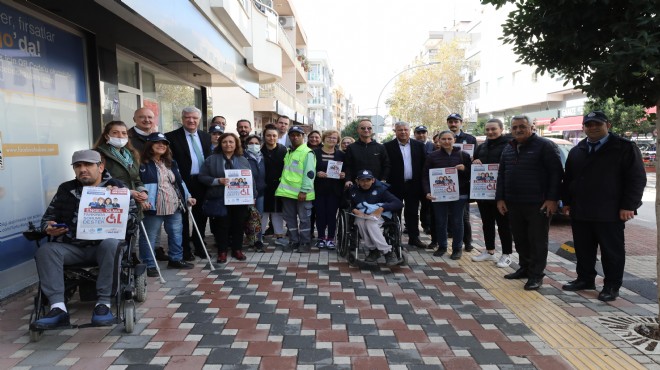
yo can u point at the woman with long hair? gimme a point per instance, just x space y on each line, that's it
273 154
328 190
228 227
449 157
167 194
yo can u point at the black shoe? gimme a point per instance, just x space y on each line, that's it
161 255
608 294
432 246
469 247
417 243
152 272
576 285
200 254
304 248
53 319
291 247
373 256
405 230
534 283
102 316
456 254
391 259
518 274
259 246
188 257
179 265
440 252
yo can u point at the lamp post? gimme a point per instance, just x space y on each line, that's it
397 75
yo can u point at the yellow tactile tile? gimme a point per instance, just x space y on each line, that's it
576 342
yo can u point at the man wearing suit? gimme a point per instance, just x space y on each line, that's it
407 158
189 147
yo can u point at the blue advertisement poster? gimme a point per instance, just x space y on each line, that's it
44 115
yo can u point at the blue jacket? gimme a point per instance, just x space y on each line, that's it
530 172
149 176
368 201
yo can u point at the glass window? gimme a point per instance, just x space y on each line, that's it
128 73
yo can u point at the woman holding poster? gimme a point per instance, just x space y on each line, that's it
228 228
448 157
167 193
490 152
328 188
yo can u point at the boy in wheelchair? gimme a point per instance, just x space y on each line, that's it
59 223
370 201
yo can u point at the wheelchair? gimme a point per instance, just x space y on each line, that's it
348 237
130 286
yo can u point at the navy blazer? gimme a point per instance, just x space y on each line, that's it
395 179
181 152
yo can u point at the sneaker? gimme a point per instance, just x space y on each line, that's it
330 245
320 244
180 265
504 261
484 256
373 256
102 316
391 259
53 319
152 272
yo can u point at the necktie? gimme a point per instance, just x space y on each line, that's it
592 146
198 152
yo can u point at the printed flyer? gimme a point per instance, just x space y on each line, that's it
444 184
483 181
334 169
468 148
239 190
103 213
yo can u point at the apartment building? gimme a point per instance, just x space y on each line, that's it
320 82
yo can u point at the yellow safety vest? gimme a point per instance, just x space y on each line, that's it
293 173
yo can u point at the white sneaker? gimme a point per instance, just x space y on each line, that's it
504 261
484 256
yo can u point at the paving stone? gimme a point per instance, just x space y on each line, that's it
399 308
417 319
199 318
189 298
240 367
298 341
509 329
43 358
192 307
135 356
305 291
227 356
489 319
382 300
330 308
490 356
261 308
440 330
144 367
362 329
366 292
131 341
453 301
284 329
214 340
273 318
333 367
462 342
316 299
250 299
345 318
381 342
49 340
242 291
207 329
403 356
425 367
315 356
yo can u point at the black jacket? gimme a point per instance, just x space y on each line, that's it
376 194
465 138
181 152
395 178
530 172
367 156
440 159
274 163
597 186
326 186
490 151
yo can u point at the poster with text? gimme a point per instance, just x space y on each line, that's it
334 169
468 148
444 184
483 181
103 213
239 189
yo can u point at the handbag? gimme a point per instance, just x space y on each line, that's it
214 207
252 225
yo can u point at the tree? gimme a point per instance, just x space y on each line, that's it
607 48
426 95
626 120
351 130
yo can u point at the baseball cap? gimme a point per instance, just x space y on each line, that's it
421 128
216 128
87 156
597 116
157 136
365 174
297 129
455 116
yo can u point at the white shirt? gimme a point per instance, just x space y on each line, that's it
282 140
407 160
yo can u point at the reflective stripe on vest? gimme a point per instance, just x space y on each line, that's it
293 174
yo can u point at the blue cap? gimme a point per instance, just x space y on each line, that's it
158 136
455 116
216 128
297 129
597 116
421 128
365 174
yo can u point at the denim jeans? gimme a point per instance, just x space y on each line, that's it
441 211
173 228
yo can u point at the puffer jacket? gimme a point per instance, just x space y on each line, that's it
369 200
440 159
490 151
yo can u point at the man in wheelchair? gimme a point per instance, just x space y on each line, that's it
59 223
370 201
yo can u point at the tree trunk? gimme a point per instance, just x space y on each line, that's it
657 203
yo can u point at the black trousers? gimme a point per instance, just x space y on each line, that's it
410 199
228 230
198 191
425 213
609 235
530 230
489 217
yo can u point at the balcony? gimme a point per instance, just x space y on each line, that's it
277 92
234 15
259 57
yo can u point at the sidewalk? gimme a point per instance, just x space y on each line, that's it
312 311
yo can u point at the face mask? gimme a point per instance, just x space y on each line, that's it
253 148
118 142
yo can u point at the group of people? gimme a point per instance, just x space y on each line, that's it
168 174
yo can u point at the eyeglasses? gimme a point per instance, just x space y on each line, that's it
366 128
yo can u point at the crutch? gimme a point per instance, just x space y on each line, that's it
151 250
200 238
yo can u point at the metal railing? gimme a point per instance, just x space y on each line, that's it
265 7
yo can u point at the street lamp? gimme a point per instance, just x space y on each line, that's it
397 75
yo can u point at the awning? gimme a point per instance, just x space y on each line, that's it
573 123
542 121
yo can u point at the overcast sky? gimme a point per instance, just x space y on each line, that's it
369 41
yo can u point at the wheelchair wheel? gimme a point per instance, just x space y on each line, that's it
141 287
352 259
38 311
404 259
341 234
35 335
129 316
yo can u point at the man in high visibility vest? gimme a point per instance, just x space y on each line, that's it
297 191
